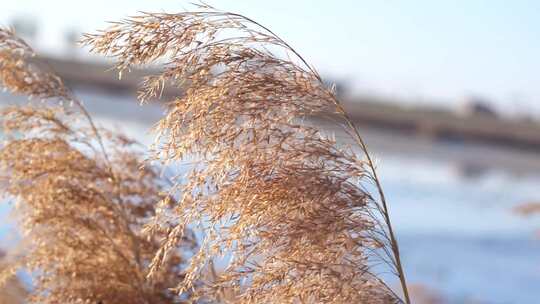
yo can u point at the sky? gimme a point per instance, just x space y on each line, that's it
424 51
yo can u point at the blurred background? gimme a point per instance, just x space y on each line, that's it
445 93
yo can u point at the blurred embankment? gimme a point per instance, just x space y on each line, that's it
432 123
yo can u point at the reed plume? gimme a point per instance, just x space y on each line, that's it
282 205
528 209
13 292
80 196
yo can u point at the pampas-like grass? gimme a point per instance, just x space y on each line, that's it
80 196
12 291
528 209
284 210
282 203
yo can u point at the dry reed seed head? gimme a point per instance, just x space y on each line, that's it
276 196
13 291
19 75
80 215
84 245
528 209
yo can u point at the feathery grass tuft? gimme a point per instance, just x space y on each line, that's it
80 195
280 201
284 210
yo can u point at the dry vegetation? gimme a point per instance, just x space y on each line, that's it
12 291
80 196
282 208
527 210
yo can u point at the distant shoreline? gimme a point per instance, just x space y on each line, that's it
366 111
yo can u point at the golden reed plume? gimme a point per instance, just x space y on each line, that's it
276 197
80 196
283 210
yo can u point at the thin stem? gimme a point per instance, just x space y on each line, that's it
393 241
96 133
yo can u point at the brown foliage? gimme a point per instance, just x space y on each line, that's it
12 291
282 200
280 203
81 206
422 294
528 209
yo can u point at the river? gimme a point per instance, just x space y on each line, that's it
451 206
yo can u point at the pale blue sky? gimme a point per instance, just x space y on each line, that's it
440 50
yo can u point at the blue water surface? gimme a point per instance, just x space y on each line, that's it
457 231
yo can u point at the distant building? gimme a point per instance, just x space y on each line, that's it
476 106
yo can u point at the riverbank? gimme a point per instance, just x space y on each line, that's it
419 121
